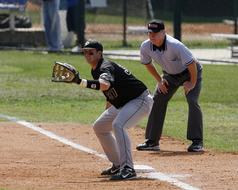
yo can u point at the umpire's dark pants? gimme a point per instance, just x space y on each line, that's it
156 118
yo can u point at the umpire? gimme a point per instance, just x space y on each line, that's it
179 68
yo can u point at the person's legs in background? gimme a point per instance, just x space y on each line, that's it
52 25
68 41
78 13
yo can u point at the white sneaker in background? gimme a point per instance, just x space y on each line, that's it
69 40
76 49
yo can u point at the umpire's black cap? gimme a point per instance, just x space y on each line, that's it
93 44
155 26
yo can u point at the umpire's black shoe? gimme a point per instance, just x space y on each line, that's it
196 146
125 174
111 171
149 145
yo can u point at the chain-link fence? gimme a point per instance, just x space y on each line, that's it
106 21
199 18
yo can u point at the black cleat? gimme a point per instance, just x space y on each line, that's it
148 145
125 174
196 146
111 171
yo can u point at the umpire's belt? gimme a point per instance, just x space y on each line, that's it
177 75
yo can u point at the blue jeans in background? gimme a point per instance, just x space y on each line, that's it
52 24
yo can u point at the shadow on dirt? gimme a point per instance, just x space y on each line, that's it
176 153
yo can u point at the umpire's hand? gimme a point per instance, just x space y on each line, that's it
187 86
163 86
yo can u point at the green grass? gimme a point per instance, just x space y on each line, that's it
206 43
192 44
26 91
100 18
113 19
93 18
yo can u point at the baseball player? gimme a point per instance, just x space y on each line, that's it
128 100
180 68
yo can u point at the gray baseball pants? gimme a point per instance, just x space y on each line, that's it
117 147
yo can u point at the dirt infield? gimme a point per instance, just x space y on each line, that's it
30 160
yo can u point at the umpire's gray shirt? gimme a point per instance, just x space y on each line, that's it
173 60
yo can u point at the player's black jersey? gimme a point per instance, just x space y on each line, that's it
124 86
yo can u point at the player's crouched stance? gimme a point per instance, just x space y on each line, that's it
128 100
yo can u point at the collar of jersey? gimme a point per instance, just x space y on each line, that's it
162 47
99 63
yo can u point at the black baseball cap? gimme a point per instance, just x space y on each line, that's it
93 44
155 26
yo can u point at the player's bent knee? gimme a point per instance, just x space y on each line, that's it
96 127
117 126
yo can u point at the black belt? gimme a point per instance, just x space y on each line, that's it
179 74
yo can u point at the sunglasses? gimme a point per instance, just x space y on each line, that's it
88 52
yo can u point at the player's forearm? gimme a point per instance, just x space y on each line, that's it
93 84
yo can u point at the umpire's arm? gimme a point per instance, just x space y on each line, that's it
162 83
152 70
189 85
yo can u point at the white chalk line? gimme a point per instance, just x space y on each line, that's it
152 174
